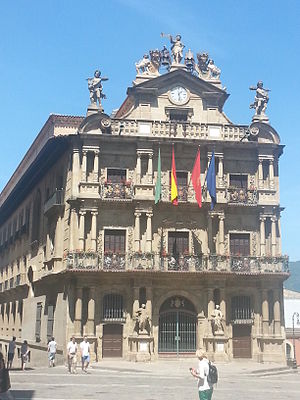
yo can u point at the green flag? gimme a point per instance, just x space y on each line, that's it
158 180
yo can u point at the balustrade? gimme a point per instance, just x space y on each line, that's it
242 196
117 191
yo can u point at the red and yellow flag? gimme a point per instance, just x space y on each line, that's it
174 190
195 178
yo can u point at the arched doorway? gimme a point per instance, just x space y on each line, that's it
177 326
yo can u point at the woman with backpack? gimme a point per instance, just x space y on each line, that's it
205 386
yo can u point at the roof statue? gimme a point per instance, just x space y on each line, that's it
95 88
149 66
260 102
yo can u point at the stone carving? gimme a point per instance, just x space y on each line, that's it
165 57
176 47
214 71
201 67
261 99
142 321
149 65
189 60
217 321
95 88
142 66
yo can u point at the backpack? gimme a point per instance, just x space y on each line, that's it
212 376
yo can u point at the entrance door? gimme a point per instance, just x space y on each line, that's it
241 341
112 340
177 332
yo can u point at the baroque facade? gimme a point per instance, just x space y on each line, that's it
84 249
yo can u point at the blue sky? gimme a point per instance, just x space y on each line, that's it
48 49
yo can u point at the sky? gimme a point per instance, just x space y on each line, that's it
48 48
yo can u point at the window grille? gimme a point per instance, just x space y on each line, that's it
113 307
241 308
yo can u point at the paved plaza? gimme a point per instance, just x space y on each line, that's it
121 380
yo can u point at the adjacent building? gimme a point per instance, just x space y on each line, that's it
84 244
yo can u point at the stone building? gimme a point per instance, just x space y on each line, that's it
83 246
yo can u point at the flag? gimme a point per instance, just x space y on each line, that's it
196 180
158 180
174 190
211 181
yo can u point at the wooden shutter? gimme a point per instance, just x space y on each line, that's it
240 244
38 322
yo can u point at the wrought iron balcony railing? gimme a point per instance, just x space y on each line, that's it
110 261
116 191
242 196
56 200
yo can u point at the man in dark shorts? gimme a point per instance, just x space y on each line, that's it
11 352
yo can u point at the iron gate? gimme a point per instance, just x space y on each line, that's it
177 332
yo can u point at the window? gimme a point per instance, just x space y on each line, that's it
142 296
113 307
241 308
217 297
238 181
182 183
114 241
271 305
116 175
240 244
178 243
50 322
38 321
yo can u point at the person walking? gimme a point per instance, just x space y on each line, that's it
201 373
11 352
24 354
85 354
4 381
52 345
72 358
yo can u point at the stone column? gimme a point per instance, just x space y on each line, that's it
273 235
94 230
262 236
96 166
137 239
271 174
58 240
277 319
221 234
279 238
136 302
149 233
210 309
75 172
78 313
150 168
260 174
265 312
138 168
83 165
81 229
221 170
72 229
90 325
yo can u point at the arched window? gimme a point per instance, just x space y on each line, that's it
113 307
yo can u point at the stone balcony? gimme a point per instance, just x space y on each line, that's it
55 202
117 191
139 261
241 196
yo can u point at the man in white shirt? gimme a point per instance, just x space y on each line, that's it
85 354
52 352
205 390
72 358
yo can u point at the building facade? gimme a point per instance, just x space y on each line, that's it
85 250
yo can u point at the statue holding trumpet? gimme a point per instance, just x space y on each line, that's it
176 47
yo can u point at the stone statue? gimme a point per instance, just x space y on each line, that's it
261 99
176 47
214 71
165 57
155 62
201 67
142 66
142 320
217 321
95 88
189 60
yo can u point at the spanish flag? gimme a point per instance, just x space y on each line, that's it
174 190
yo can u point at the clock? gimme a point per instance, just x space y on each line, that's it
179 95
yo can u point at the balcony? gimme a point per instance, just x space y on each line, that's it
109 261
117 191
55 202
241 196
81 260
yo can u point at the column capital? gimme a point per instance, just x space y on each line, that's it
137 214
95 213
273 218
149 214
82 212
221 217
262 218
96 152
84 152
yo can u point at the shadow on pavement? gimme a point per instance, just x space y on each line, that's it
22 394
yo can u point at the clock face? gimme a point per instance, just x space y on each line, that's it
179 95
